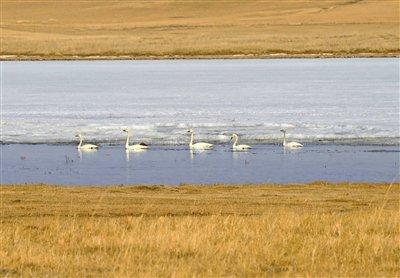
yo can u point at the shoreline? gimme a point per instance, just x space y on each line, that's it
194 57
206 186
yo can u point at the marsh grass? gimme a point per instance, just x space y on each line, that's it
315 229
165 29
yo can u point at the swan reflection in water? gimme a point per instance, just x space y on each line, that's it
240 155
85 151
193 153
128 153
291 150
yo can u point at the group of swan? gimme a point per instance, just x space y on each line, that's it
193 146
136 147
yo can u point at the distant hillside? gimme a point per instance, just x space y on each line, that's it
163 29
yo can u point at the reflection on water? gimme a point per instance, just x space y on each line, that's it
289 150
240 154
81 152
193 153
128 153
161 165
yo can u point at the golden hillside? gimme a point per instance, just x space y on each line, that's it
159 29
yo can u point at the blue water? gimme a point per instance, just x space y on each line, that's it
63 164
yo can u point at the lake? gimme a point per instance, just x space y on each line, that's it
63 164
345 111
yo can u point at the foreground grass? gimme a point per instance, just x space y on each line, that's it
314 229
65 29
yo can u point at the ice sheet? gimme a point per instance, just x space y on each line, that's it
345 100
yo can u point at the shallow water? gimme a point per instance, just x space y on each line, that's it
345 100
64 164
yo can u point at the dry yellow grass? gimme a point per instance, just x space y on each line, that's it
315 229
49 29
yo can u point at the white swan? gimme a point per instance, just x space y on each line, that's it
290 145
85 146
136 147
236 147
200 145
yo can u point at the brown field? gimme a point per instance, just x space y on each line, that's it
61 29
314 229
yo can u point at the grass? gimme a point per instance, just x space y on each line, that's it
316 229
47 29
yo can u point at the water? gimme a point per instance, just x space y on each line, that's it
63 164
345 111
342 100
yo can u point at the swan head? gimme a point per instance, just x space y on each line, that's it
283 130
78 135
190 131
234 135
125 130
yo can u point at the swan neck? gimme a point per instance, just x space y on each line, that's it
127 140
235 141
80 141
191 139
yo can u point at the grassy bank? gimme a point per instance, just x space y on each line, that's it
314 229
45 29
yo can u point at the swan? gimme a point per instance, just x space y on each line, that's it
136 147
85 146
200 145
236 147
290 145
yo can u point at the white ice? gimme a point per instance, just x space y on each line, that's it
315 99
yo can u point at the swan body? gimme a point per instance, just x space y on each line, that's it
293 145
290 145
85 146
237 147
136 147
200 145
